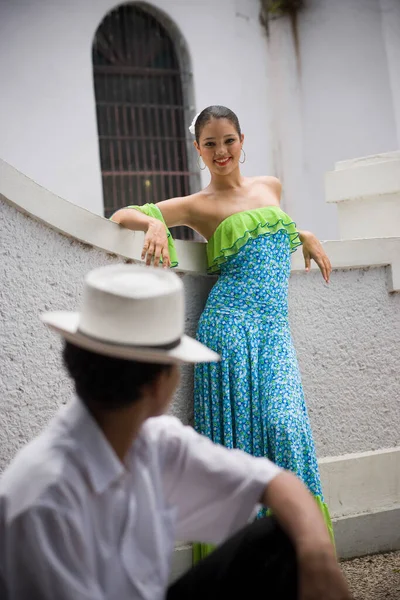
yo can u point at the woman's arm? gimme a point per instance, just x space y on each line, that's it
175 212
155 244
132 219
155 247
312 249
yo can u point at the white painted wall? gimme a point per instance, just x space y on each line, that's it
47 107
338 98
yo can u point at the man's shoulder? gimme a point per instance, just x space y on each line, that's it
164 425
166 430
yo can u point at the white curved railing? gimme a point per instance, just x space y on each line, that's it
93 230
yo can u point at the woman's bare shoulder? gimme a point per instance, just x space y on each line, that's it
195 201
269 181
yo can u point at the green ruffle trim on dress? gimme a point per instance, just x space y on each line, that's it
152 210
201 551
235 231
327 517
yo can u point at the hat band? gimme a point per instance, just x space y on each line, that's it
169 346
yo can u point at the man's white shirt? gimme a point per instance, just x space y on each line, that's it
77 524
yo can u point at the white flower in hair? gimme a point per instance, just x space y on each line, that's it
192 126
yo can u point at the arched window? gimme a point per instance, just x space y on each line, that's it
141 114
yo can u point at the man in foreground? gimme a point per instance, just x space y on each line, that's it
92 507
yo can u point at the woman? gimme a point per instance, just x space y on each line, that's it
253 399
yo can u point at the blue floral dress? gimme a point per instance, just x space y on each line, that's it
253 399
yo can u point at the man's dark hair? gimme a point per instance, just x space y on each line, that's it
106 382
215 112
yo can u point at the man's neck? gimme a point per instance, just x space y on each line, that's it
122 426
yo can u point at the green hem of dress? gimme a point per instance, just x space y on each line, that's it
201 551
268 221
151 210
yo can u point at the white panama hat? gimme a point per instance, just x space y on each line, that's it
131 312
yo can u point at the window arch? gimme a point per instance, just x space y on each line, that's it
142 114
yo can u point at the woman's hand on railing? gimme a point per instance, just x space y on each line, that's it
313 250
155 247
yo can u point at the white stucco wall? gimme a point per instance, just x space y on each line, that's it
336 98
346 335
47 108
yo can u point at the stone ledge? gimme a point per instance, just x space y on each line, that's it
355 535
78 223
367 194
363 482
361 253
369 533
367 160
370 176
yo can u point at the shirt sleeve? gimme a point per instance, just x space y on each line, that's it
47 546
216 490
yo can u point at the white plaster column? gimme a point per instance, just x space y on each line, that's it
367 194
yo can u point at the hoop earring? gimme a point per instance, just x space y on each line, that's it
199 163
244 157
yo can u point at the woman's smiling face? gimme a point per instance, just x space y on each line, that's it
220 146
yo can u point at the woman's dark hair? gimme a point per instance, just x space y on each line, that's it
215 112
105 382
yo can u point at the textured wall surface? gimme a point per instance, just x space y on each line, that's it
347 339
346 334
40 270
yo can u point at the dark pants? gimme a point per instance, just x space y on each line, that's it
257 562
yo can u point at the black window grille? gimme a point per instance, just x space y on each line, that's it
140 112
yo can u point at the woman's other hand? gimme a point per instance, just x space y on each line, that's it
313 250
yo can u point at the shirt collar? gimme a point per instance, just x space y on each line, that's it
102 464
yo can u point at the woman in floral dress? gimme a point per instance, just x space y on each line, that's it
253 399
